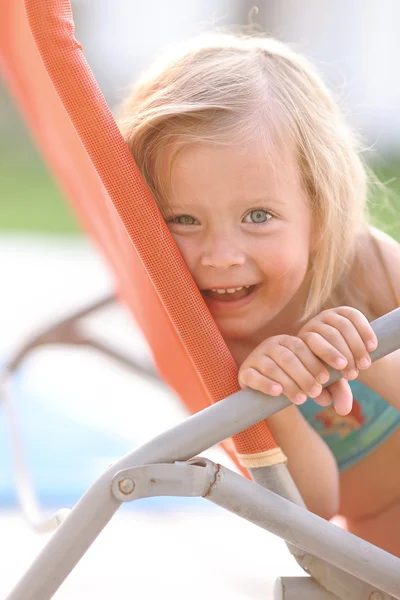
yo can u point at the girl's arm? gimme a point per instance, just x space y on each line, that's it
384 376
310 461
296 367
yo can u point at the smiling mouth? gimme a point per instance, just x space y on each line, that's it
229 295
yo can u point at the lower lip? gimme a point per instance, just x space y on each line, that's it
219 305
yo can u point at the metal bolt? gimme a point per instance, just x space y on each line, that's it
126 486
376 596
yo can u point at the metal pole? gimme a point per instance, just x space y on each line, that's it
306 530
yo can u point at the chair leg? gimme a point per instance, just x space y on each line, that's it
65 331
300 588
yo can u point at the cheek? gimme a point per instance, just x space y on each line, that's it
286 260
187 248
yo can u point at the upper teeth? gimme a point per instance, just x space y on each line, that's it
230 290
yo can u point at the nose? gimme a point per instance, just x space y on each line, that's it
222 253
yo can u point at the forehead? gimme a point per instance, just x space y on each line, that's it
197 171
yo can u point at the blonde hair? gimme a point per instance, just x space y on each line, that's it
222 87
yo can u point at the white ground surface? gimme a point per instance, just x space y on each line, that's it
206 553
179 556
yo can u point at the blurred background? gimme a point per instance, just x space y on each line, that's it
354 44
79 411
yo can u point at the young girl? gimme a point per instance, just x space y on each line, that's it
261 184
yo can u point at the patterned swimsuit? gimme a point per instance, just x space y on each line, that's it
350 438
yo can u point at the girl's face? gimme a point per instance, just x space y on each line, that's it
243 225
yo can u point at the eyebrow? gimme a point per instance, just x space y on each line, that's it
261 201
265 201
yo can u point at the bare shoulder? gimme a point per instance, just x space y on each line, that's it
384 238
376 271
390 250
383 375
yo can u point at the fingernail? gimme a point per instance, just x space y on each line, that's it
323 377
300 398
276 390
315 391
340 363
364 363
353 374
371 345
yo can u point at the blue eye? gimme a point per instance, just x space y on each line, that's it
258 216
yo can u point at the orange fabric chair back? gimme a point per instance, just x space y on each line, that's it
46 72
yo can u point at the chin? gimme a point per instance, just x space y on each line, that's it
231 330
255 330
239 331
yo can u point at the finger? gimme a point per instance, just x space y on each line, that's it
271 370
294 357
325 350
362 325
342 396
252 378
334 336
354 341
324 399
312 363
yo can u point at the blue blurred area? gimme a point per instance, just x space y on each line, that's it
64 456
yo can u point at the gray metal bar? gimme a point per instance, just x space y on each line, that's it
277 479
181 479
300 588
306 530
196 477
345 586
61 331
196 434
341 584
66 332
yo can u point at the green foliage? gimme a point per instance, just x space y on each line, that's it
30 200
384 204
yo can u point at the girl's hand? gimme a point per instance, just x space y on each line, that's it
294 366
343 338
284 364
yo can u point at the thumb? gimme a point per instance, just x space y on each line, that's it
342 397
